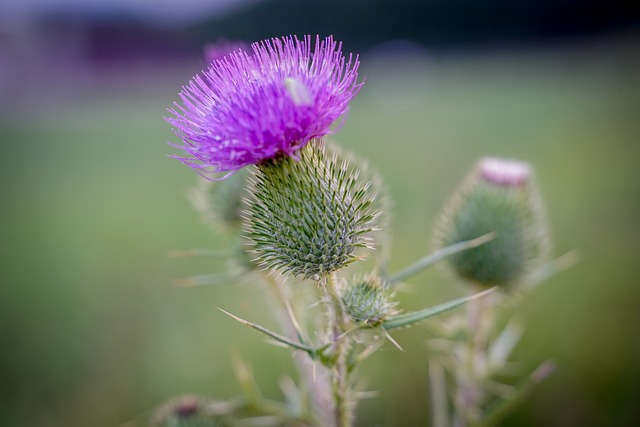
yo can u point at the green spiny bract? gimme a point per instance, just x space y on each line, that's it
307 217
367 302
382 204
507 203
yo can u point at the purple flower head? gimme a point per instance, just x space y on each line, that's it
251 107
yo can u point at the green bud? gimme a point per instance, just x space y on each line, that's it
307 216
499 196
220 203
367 302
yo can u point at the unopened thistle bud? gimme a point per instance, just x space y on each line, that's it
220 203
187 411
367 302
499 196
307 217
220 206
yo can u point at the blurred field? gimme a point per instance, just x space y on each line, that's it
93 333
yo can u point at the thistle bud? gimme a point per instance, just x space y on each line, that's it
220 203
367 302
187 411
307 216
499 196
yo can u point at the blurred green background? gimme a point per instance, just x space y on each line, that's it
94 333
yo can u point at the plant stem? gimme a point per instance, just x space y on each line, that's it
316 381
340 370
470 385
438 387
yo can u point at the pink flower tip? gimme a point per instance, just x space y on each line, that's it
504 172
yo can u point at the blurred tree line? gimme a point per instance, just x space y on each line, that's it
119 35
362 23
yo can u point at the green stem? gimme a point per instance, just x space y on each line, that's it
438 386
340 370
471 386
315 381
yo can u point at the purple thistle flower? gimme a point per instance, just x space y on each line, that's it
251 107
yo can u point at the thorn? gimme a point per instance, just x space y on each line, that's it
233 316
204 280
294 321
543 371
349 331
277 337
371 394
390 338
193 253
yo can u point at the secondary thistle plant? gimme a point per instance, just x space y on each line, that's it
499 196
300 212
468 357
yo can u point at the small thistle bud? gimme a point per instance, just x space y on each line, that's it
220 203
499 196
307 217
367 302
187 411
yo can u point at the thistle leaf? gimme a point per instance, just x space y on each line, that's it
273 335
555 266
497 412
417 316
438 256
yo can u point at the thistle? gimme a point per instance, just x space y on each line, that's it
308 217
306 210
367 302
248 108
501 197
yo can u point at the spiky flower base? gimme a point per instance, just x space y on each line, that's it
307 217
